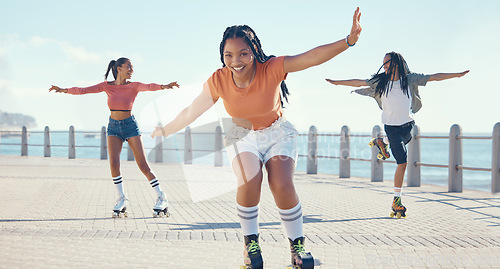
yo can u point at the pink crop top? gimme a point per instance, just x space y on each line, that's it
120 97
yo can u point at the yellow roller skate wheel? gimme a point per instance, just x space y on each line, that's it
380 156
392 215
371 144
398 215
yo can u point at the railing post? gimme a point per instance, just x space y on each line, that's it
46 142
218 158
414 157
377 170
158 149
104 144
24 142
130 153
345 162
455 176
312 151
188 146
71 143
495 166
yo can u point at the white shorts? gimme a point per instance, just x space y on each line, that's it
278 139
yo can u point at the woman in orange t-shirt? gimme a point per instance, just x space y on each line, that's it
250 84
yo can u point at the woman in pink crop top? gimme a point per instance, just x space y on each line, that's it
123 127
250 84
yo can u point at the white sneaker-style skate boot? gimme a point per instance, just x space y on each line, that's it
161 207
120 208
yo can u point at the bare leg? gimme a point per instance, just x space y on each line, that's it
280 170
140 156
248 169
399 175
115 145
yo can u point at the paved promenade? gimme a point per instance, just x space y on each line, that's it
56 213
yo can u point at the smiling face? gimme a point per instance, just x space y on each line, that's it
239 58
125 70
392 71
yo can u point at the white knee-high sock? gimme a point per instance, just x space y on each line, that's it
292 220
155 184
119 185
397 191
249 219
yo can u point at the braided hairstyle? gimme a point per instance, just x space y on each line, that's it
397 62
248 34
113 65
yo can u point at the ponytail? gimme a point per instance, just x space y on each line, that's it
113 65
110 66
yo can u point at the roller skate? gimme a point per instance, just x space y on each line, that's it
382 148
300 258
252 253
398 209
120 208
161 207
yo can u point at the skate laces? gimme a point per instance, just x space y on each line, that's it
121 199
160 200
253 248
299 247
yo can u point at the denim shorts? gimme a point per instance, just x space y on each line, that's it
124 129
398 137
278 139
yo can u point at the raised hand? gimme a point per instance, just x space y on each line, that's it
356 27
158 132
463 73
334 82
170 85
57 89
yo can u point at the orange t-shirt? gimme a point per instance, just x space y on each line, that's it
260 102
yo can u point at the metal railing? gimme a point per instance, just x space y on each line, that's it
157 150
455 165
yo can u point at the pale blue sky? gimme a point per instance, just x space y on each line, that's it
68 43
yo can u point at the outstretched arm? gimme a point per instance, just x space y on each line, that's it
202 103
348 82
155 87
77 90
443 76
323 53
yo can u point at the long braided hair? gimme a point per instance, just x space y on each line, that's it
397 62
248 34
113 65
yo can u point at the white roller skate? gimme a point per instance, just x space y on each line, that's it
120 208
161 207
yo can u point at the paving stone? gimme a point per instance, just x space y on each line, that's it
70 224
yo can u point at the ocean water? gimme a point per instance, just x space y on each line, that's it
477 153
